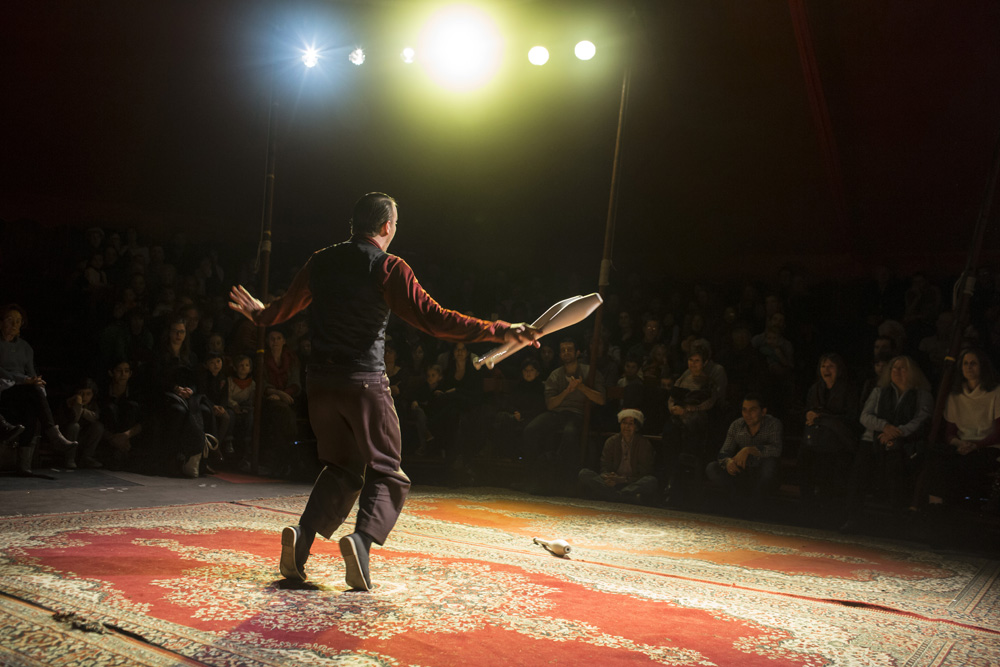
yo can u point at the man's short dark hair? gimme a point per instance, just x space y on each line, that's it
757 398
371 212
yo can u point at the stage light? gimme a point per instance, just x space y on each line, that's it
538 55
357 56
408 55
310 56
585 50
461 47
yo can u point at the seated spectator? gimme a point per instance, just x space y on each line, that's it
216 387
779 361
747 463
430 410
831 434
651 329
524 402
967 460
79 418
896 417
687 436
23 399
183 414
283 405
121 417
241 390
552 440
626 466
399 377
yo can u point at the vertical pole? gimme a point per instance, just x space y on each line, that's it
609 237
264 267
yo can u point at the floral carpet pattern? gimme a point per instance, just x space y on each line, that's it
460 580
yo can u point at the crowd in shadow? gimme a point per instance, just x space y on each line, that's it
693 393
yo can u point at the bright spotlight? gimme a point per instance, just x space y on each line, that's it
357 56
461 47
310 57
585 50
408 55
538 55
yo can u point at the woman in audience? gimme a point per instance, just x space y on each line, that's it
23 399
283 404
184 417
972 432
831 435
896 417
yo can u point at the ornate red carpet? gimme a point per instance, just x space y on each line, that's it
460 581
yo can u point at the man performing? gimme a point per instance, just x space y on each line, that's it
350 288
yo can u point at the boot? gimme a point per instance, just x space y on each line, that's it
9 432
60 442
25 454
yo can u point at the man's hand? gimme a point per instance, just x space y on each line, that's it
678 410
732 468
184 392
611 478
244 303
517 415
574 384
892 432
521 333
741 457
218 410
36 381
811 417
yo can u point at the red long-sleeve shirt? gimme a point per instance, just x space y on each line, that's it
404 296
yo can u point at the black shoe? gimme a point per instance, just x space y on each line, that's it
293 561
9 432
352 548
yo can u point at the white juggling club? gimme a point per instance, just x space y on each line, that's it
560 315
558 547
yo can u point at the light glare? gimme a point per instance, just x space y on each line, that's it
408 55
585 50
310 57
357 56
538 55
461 47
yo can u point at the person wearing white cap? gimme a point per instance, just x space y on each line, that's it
626 465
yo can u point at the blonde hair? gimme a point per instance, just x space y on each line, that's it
917 378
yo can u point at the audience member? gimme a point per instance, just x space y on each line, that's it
519 406
121 417
282 405
242 390
626 471
79 418
183 415
830 436
747 463
968 458
552 440
895 417
23 399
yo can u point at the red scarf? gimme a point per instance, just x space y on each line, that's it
244 383
277 373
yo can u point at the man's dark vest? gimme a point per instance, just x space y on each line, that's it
348 315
